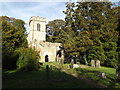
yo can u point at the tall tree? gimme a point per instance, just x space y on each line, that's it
100 22
55 31
13 37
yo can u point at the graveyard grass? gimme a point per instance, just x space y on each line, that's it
59 77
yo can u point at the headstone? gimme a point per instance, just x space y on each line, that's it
72 63
103 75
93 63
61 61
98 64
118 72
75 66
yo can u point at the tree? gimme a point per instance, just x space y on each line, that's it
13 37
55 31
28 59
99 20
69 19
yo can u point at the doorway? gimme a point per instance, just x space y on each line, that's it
46 58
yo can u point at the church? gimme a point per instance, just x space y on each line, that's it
37 40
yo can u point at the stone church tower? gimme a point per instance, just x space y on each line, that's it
37 29
37 39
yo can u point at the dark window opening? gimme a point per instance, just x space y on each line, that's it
38 27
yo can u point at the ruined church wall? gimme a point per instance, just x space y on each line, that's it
49 49
37 39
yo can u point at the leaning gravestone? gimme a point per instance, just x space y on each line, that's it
118 72
98 64
93 63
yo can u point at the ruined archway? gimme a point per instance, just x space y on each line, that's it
46 58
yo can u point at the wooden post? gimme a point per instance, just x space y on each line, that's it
47 75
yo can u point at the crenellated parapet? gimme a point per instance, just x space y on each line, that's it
37 18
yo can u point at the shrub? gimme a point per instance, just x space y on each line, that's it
28 59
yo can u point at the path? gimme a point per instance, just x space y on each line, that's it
83 79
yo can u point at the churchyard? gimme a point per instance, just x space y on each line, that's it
61 76
79 50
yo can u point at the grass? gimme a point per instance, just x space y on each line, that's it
14 79
37 79
94 74
59 77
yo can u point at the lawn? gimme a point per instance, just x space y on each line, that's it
59 77
93 74
37 79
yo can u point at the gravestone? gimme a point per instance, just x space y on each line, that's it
118 72
103 75
72 63
98 64
93 63
75 66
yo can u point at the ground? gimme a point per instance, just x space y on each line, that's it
60 77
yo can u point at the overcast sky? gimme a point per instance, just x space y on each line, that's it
24 10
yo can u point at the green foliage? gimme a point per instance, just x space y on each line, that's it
94 24
28 59
92 32
55 31
13 37
89 32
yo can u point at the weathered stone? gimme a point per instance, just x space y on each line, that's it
72 63
98 64
37 39
75 66
93 63
103 75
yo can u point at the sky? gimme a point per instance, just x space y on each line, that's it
25 9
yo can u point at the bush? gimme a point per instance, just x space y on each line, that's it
28 59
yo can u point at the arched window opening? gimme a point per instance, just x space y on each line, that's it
38 27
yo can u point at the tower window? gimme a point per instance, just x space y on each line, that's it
38 27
